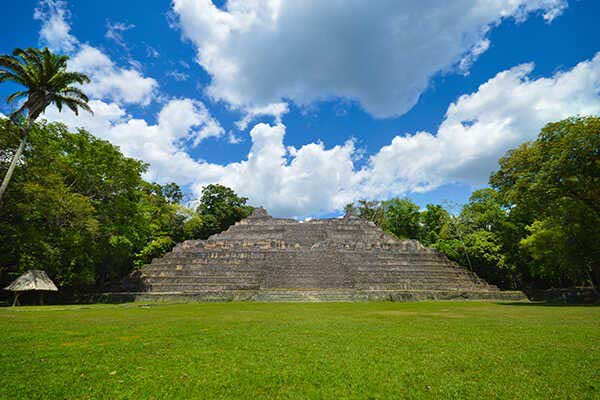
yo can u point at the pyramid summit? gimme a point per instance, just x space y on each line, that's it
340 259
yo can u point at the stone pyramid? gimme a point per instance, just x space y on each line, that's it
342 259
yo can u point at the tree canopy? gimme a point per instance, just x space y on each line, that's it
538 224
79 209
552 185
45 80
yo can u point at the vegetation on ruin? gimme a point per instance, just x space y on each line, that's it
386 350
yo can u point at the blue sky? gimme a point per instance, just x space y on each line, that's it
341 100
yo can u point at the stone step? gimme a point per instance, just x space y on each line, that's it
174 287
392 274
274 259
306 295
426 281
262 252
426 287
276 246
203 274
193 279
216 270
242 266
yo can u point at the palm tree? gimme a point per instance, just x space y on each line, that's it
46 81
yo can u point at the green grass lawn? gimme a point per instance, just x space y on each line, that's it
458 350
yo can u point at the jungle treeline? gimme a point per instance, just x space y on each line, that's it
79 209
537 225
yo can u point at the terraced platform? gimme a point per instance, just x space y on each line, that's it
271 259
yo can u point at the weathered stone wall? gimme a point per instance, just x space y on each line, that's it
572 295
262 253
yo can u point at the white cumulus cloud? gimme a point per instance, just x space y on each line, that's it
181 123
288 181
480 127
381 54
55 32
275 110
477 129
313 180
108 81
123 85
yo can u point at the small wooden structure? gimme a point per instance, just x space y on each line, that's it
32 280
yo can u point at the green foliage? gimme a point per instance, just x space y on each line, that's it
539 224
453 248
401 218
433 220
155 248
172 192
80 210
194 227
484 211
45 81
44 223
552 185
369 210
219 208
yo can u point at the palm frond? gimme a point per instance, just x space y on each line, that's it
46 79
58 102
9 76
25 58
74 103
16 66
17 95
34 60
74 92
66 78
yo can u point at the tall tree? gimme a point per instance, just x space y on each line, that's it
369 210
401 217
433 220
46 81
555 180
220 207
172 193
79 209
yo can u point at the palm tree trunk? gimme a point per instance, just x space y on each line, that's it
13 163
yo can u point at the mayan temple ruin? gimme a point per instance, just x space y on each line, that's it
344 259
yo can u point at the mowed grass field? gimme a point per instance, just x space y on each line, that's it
445 350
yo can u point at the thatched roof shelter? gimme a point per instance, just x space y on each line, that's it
32 280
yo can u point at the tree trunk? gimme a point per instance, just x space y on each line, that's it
13 163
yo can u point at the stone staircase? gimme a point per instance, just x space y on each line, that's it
270 259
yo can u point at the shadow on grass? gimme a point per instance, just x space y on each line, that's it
547 304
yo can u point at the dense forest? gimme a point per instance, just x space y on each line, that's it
536 226
81 210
